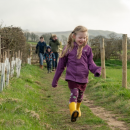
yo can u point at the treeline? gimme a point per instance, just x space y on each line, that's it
47 37
113 46
30 36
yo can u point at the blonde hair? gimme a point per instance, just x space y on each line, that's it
54 35
70 44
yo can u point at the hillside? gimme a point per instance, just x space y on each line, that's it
92 33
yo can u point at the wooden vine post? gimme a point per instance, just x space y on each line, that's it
30 50
19 54
15 54
0 53
0 48
30 54
8 54
102 49
124 61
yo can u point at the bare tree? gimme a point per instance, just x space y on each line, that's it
27 35
113 46
64 39
32 36
47 37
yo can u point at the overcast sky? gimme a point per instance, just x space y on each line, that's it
65 15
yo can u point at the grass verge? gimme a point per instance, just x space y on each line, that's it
109 93
30 103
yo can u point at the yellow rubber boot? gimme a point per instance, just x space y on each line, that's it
73 112
78 108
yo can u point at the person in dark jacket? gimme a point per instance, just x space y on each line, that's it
40 47
49 57
54 43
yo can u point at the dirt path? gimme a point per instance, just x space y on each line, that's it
111 119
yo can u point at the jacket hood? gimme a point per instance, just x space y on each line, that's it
48 47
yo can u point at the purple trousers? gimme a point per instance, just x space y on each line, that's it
77 91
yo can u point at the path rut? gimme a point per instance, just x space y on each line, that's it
110 118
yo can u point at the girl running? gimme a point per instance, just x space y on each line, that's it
78 58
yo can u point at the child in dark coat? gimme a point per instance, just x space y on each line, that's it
49 56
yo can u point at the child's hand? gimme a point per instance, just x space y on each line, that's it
54 59
97 75
54 85
44 60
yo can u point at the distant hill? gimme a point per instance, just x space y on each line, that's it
92 33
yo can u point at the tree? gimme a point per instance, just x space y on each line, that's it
47 37
95 45
64 39
27 35
112 35
113 46
32 35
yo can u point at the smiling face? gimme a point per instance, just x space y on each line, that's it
80 38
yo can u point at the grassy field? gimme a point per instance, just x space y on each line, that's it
109 93
114 70
30 103
33 43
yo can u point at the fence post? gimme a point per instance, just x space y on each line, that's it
19 54
5 61
5 56
0 53
15 55
12 66
30 53
2 84
11 74
8 54
8 72
124 60
0 48
102 48
30 50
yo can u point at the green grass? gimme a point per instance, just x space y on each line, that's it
114 70
109 93
30 103
33 43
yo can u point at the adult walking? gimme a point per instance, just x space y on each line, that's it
54 43
40 47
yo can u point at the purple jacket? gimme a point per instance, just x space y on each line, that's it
77 69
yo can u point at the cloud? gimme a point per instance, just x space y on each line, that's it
63 15
126 3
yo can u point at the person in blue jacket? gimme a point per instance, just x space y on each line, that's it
49 56
40 47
